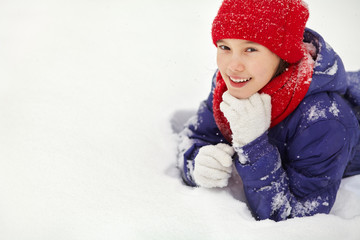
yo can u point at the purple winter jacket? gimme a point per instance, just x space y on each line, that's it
295 168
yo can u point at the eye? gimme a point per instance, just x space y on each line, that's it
223 47
250 49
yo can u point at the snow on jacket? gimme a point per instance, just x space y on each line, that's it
295 168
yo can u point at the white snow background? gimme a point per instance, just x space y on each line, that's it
88 89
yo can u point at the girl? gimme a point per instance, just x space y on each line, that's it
281 109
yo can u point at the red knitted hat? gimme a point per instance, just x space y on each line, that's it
276 24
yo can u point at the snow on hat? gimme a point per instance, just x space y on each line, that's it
276 24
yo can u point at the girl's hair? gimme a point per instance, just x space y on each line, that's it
283 65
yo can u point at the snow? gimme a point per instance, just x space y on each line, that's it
330 71
334 109
315 112
307 207
88 89
243 158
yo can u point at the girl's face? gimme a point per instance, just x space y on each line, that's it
245 66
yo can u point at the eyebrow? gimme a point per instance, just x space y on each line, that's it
250 42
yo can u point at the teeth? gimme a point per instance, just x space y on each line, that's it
240 80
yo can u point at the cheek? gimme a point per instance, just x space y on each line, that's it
222 61
267 73
219 62
265 70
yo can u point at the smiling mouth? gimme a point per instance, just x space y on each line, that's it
240 80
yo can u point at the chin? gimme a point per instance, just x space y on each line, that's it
238 95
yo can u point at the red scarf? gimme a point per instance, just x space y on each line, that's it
286 91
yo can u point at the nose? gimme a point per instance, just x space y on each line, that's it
236 64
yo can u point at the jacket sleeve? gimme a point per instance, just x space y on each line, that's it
302 181
199 131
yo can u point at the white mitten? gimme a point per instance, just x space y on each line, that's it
248 118
213 165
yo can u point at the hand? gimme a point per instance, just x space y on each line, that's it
213 165
248 118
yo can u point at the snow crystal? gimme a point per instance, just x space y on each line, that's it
318 59
276 186
330 71
190 167
264 178
333 69
328 47
185 141
334 109
303 209
308 81
314 113
266 188
277 165
243 158
280 200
